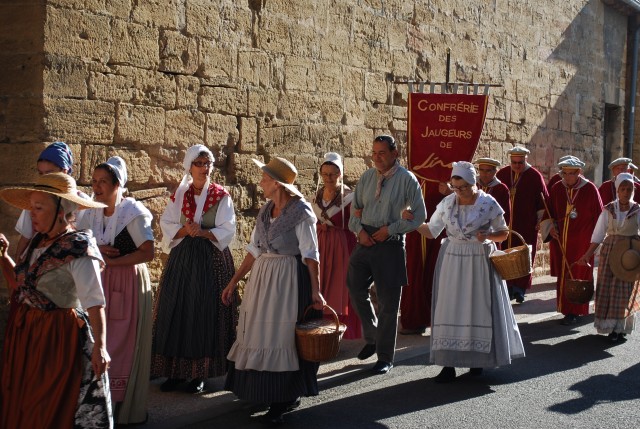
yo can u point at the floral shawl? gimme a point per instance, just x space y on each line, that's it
70 246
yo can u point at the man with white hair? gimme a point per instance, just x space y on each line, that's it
607 189
527 192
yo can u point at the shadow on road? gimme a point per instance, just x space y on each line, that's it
598 389
548 351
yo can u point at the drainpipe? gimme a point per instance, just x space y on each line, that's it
632 98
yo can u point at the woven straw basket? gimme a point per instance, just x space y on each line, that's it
578 291
515 263
318 340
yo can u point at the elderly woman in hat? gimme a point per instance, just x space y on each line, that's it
194 330
55 353
618 284
283 260
472 322
332 207
125 238
572 204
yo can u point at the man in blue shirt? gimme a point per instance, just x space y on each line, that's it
381 195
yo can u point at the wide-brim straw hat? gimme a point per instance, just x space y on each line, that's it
59 184
282 171
624 259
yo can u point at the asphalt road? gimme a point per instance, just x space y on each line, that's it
569 378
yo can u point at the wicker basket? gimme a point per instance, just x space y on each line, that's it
578 291
318 340
515 263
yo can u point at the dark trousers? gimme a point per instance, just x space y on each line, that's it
385 265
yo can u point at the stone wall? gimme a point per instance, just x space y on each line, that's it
258 78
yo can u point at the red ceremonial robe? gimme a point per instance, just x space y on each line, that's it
527 192
422 254
500 192
608 191
575 235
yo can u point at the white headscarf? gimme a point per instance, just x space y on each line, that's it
171 215
622 177
119 167
126 209
466 170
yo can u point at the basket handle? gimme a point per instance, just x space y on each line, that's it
514 232
332 312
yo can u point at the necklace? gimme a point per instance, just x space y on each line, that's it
196 188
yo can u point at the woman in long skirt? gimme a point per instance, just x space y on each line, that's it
283 260
618 286
332 207
125 238
472 323
55 352
193 329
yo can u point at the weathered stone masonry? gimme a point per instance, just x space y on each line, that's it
145 79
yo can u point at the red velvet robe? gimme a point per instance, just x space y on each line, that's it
527 192
608 191
422 254
575 235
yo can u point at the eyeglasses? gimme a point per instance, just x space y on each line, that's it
459 188
201 163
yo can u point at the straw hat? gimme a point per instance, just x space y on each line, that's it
282 171
624 259
59 184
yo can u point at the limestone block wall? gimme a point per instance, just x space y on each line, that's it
260 78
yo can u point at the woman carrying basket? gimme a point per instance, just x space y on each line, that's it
283 260
618 285
573 203
472 322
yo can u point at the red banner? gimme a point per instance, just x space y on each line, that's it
443 128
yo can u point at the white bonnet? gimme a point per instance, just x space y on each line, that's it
192 154
119 167
466 170
622 177
335 159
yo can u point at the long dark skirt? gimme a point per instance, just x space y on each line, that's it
47 379
268 387
193 329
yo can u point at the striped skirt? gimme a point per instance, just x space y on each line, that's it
617 301
266 386
193 330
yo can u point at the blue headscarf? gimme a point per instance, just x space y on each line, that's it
59 154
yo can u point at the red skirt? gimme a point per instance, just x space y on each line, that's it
42 369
